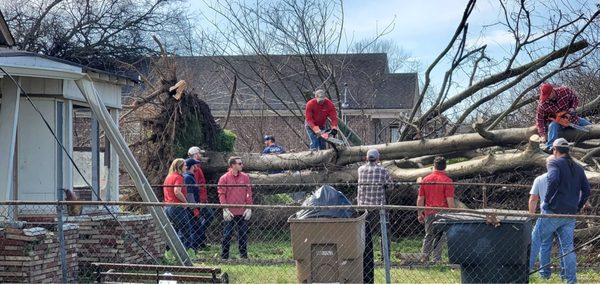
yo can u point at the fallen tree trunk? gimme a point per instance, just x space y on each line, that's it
391 151
491 164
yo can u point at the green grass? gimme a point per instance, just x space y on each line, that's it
286 273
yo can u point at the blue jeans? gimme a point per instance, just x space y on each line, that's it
316 142
182 223
242 227
536 244
565 229
554 130
206 215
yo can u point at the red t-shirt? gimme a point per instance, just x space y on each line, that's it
199 176
317 113
169 191
436 194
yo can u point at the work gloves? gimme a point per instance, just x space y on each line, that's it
247 214
227 215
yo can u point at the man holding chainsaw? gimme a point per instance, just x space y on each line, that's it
317 111
556 111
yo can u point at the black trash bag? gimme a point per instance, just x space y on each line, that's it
326 195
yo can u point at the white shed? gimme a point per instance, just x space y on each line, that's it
33 165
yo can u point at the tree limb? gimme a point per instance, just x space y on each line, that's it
391 151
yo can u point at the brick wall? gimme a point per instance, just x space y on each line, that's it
102 239
32 255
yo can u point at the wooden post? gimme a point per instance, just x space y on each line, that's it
9 118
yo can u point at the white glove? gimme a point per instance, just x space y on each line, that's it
247 214
227 215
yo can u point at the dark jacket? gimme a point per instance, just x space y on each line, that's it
568 187
193 193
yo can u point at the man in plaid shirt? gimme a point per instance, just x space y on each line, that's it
552 101
373 180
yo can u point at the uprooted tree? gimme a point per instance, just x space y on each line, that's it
495 104
498 92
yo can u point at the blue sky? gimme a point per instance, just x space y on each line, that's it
422 28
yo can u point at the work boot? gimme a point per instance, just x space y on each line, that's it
547 150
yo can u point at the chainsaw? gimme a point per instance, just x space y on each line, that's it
329 136
563 117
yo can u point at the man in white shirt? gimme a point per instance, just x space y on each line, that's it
537 193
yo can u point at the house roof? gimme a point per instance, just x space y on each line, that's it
16 59
6 38
265 79
13 58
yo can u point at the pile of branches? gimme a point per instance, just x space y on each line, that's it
168 119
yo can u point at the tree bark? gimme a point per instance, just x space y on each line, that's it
490 164
407 149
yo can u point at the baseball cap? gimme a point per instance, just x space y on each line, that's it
545 91
191 162
194 150
561 142
268 137
372 154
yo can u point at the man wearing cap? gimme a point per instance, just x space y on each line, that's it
373 180
537 193
317 111
272 149
552 101
192 196
270 146
204 215
434 195
568 191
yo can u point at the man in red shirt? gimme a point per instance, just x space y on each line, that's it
434 195
552 101
317 111
234 188
205 214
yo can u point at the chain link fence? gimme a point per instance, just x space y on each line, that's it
121 242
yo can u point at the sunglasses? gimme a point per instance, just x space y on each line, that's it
240 163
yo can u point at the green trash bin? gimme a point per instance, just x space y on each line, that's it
488 252
328 250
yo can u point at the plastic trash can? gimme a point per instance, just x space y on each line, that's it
488 253
328 250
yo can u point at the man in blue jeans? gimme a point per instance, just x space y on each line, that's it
568 191
537 193
554 100
317 111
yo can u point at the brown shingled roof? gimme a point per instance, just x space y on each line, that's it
369 84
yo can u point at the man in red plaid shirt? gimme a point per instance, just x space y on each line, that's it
373 180
552 101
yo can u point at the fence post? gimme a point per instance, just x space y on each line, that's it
484 197
61 236
385 245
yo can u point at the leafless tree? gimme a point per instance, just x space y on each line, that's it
100 33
